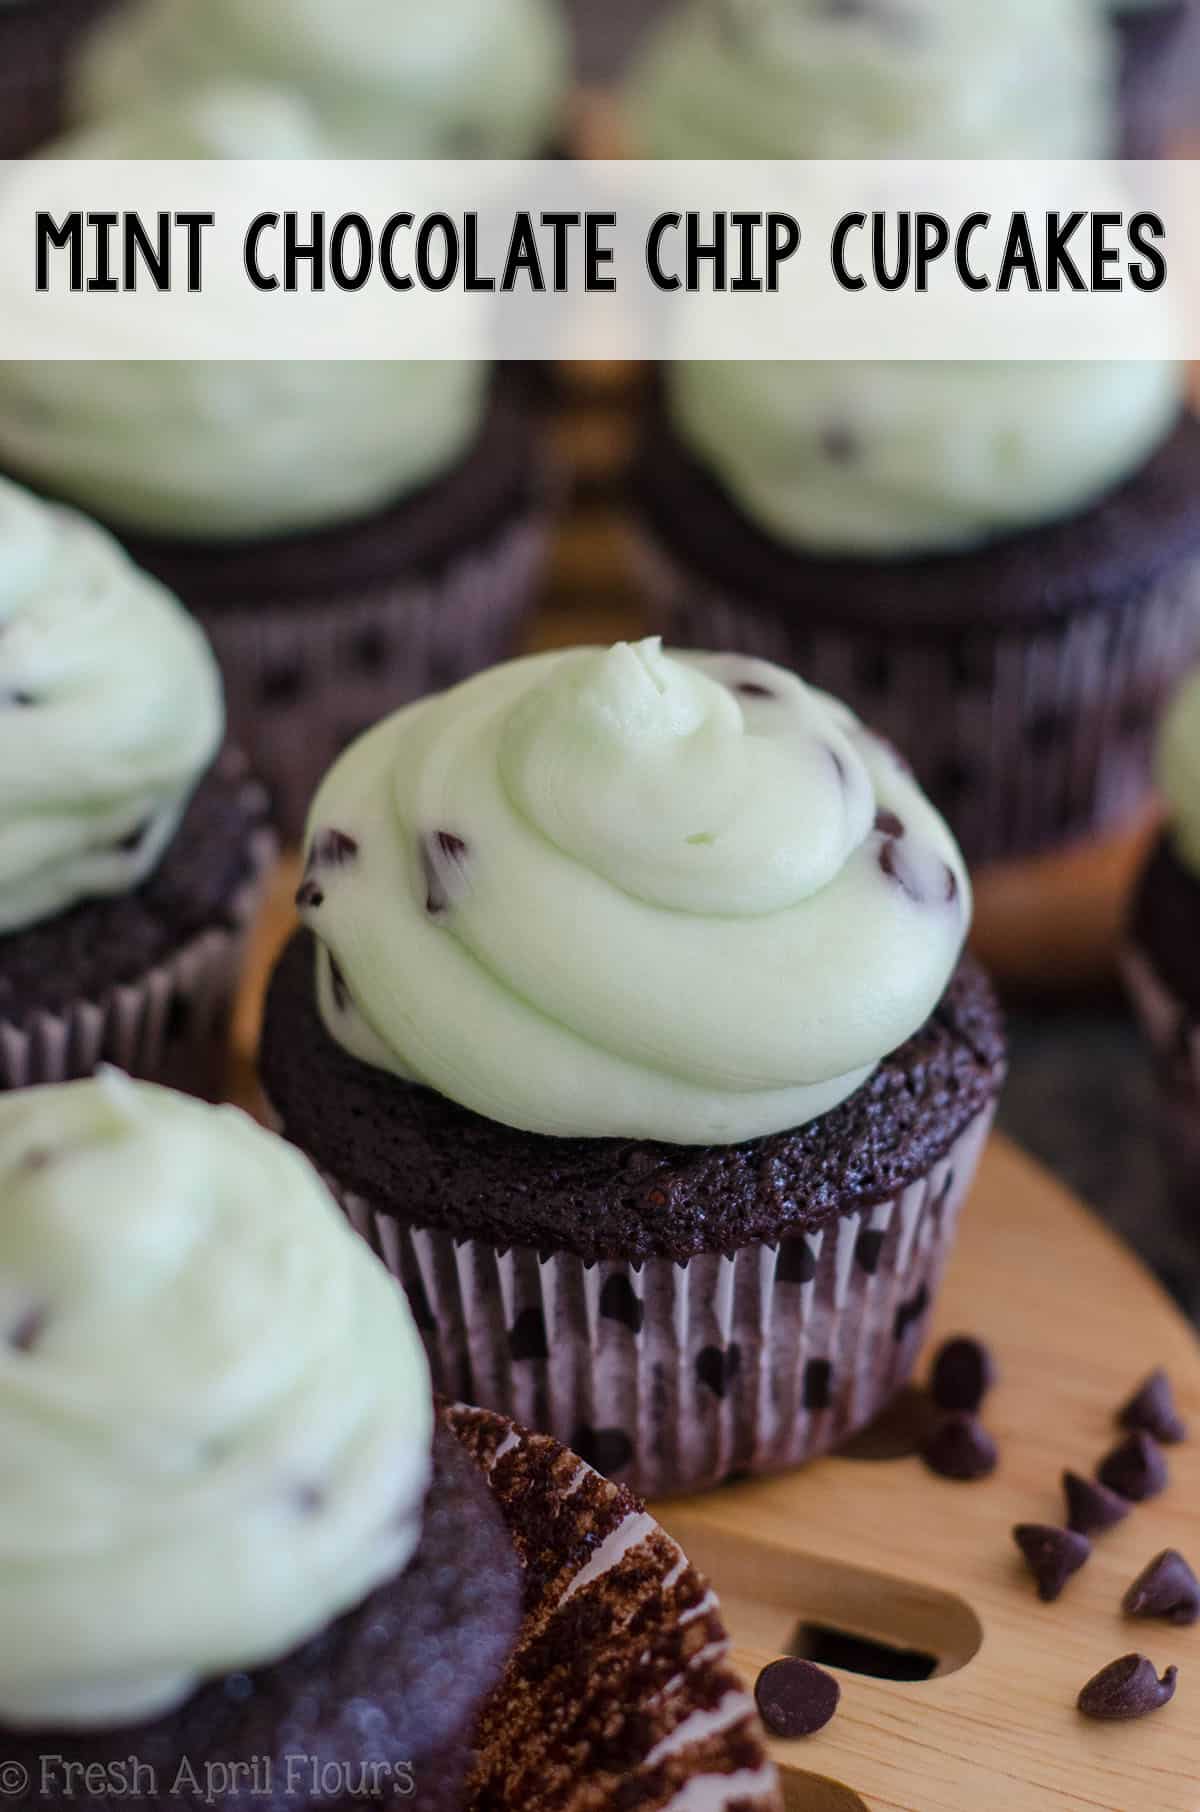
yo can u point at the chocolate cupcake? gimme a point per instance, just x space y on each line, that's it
132 850
243 1561
630 1026
996 565
1151 34
37 41
350 535
1161 962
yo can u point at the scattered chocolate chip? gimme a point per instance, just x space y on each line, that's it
889 824
1152 1407
619 1301
752 689
1092 1508
29 1329
1128 1688
444 857
868 1249
338 984
840 443
606 1450
718 1369
910 1314
331 849
527 1336
796 1263
960 1448
818 1384
1167 1587
309 896
795 1698
963 1374
1052 1555
1136 1469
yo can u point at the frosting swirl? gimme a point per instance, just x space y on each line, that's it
1179 771
630 893
216 1409
906 458
877 78
110 711
388 78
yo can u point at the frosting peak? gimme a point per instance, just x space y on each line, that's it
630 893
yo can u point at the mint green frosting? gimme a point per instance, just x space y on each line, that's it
893 78
1179 771
216 1410
904 458
110 711
230 450
388 78
629 893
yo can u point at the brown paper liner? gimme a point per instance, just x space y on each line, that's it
620 1690
170 1025
1026 738
36 39
673 1376
303 680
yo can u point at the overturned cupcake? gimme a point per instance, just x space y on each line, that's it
131 849
996 565
350 534
236 1547
636 1035
38 39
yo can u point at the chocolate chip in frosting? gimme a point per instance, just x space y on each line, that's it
1128 1688
26 1333
309 896
1167 1587
331 849
337 983
840 443
753 689
897 869
132 841
309 1499
19 698
444 857
889 824
1152 1407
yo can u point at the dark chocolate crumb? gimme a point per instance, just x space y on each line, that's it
1136 1469
718 1369
795 1698
1128 1688
1167 1587
1052 1555
527 1336
795 1263
619 1301
868 1249
963 1373
818 1384
889 824
1091 1507
910 1313
961 1448
606 1450
29 1329
444 857
1152 1407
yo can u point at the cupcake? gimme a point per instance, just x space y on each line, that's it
1162 956
481 78
37 39
630 1023
247 1566
995 564
131 847
1150 38
349 534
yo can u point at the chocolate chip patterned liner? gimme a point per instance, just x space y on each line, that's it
303 680
1025 737
168 1026
36 37
673 1377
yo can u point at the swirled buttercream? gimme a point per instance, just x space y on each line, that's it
110 711
1179 771
216 1410
630 893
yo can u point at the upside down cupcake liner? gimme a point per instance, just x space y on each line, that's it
36 38
1025 736
673 1376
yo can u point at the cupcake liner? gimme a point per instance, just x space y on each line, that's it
171 1025
1026 736
675 1376
1172 1030
1153 98
36 37
620 1690
304 679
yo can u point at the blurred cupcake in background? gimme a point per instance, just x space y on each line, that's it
1162 956
630 1022
997 566
350 534
38 39
1157 61
131 850
463 79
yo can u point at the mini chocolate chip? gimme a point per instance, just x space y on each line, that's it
839 766
897 870
963 1374
37 1158
309 1499
951 883
868 1249
331 849
527 1336
444 857
752 689
134 839
1092 1508
1152 1407
818 1384
1128 1688
1167 1587
889 824
840 443
718 1369
1052 1555
29 1329
619 1301
337 983
607 1450
795 1698
960 1448
309 896
21 699
1136 1469
910 1313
